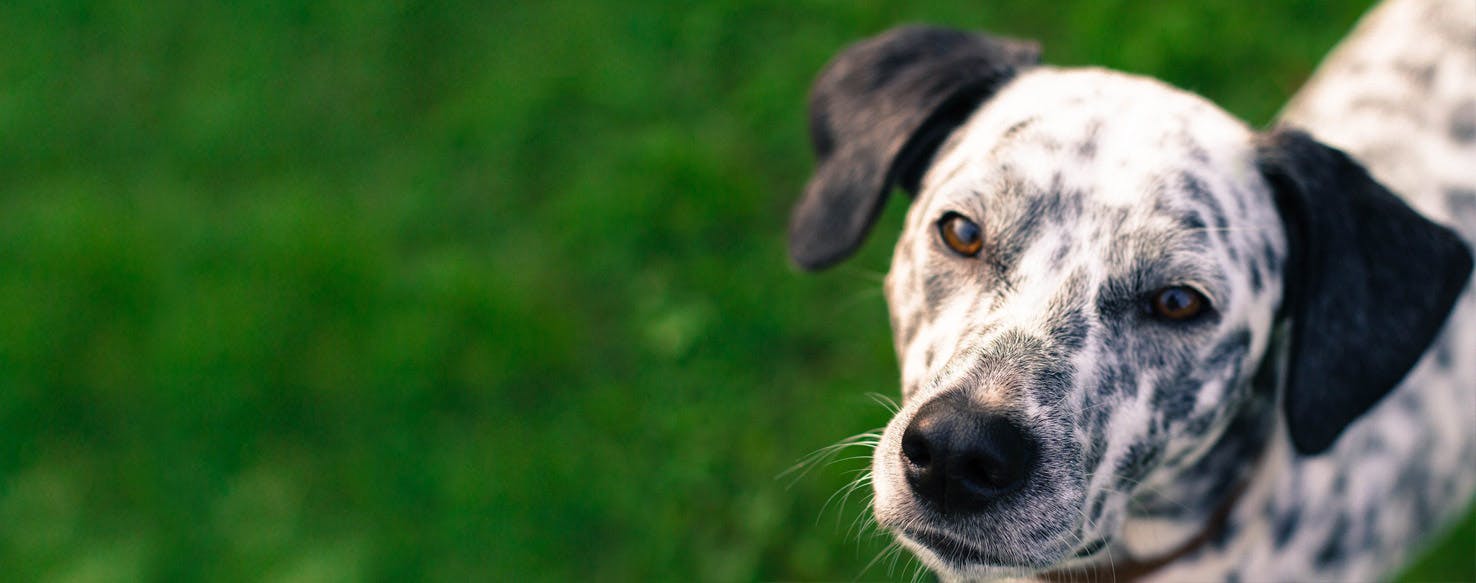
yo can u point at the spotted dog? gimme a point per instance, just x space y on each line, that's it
1139 338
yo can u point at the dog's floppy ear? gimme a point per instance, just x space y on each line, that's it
878 112
1369 284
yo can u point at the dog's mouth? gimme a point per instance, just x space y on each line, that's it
951 550
959 554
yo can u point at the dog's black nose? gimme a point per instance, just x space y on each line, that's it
958 458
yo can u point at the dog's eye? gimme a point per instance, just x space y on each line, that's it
960 234
1177 303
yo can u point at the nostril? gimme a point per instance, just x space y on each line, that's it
915 449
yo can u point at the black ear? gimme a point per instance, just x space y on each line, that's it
1369 285
878 112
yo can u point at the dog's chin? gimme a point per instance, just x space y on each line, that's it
954 558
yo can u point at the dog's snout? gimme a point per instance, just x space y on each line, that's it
958 458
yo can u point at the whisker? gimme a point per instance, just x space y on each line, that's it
863 273
852 299
845 493
889 403
820 456
1226 229
892 547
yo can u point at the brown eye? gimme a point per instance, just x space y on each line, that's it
961 235
1177 303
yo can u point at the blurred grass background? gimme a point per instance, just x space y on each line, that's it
385 290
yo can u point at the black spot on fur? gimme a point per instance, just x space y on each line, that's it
1070 331
1229 351
1197 153
1200 425
1115 379
937 286
1018 127
1416 481
1052 381
1421 75
1136 463
1100 419
1175 400
1224 534
1058 259
1194 187
1269 255
1463 122
1024 222
1087 148
1192 222
1332 550
907 329
1096 448
1462 202
1284 525
1097 504
1444 356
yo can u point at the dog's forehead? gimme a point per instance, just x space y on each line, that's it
1088 178
1110 136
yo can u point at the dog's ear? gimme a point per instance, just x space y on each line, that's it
1370 283
878 112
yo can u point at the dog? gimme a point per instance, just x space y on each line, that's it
1139 339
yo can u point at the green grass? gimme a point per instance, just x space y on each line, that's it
453 290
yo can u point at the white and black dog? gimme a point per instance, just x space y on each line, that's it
1139 338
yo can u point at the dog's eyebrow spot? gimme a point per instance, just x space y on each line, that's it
1192 221
1194 187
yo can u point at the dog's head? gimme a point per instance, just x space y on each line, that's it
1089 278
